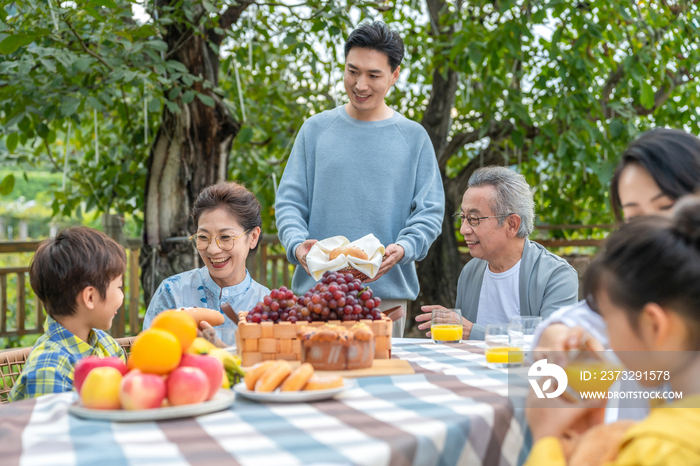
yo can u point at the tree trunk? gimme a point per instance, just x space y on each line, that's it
190 152
439 271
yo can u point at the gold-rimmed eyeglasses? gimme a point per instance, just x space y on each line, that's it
474 219
225 242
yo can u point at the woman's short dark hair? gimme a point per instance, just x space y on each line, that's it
67 264
671 157
233 198
377 36
652 259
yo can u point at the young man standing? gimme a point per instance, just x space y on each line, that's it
363 168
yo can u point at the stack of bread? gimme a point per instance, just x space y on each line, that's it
335 347
269 376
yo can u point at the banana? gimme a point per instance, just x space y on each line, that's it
200 346
226 381
228 360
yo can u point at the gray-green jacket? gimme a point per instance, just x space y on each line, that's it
547 283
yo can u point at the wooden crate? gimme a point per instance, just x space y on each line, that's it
264 341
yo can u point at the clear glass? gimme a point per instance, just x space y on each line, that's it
529 325
504 345
446 326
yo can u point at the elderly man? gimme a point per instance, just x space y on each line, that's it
509 275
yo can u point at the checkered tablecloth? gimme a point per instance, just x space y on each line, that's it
453 410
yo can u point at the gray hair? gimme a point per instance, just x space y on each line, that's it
513 196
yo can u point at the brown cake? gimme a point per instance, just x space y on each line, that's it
334 347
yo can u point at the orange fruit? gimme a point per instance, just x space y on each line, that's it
156 351
180 324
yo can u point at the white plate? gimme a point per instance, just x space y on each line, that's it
292 397
222 400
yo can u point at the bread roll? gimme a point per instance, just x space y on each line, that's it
298 378
273 377
324 382
348 251
209 316
254 373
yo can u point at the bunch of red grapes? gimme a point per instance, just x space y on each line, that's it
278 306
337 297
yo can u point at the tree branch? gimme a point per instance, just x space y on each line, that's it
86 48
231 15
663 93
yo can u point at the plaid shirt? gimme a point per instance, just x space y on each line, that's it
49 368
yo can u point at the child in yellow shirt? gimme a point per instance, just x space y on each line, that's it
646 285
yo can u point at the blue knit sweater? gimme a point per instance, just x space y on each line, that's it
350 177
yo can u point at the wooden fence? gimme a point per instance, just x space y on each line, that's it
269 266
23 315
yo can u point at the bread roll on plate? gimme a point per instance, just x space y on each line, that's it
199 314
348 251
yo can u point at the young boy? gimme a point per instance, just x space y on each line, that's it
78 277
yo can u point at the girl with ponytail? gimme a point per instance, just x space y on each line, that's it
646 285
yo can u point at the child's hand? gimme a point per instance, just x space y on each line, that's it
557 417
208 333
558 339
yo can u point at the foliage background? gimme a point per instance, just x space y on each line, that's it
553 88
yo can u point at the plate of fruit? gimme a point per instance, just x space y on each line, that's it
277 382
170 374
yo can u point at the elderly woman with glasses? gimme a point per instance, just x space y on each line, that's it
228 222
509 275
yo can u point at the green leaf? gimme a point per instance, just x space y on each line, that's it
158 44
69 106
154 105
209 7
11 43
245 135
81 64
563 147
647 97
106 3
11 141
174 92
49 65
290 40
206 100
172 107
616 128
188 97
7 185
517 138
177 66
42 130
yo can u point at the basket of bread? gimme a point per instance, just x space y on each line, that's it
361 258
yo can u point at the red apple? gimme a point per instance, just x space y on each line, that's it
187 385
141 391
211 367
85 365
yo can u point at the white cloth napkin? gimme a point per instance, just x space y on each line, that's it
318 262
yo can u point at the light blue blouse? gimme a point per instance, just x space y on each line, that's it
195 288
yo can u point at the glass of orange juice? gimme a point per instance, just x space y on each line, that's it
592 372
504 345
446 326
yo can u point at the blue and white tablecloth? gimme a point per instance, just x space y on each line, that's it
452 411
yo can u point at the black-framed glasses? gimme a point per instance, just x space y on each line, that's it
474 219
225 242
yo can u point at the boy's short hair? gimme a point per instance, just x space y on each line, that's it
77 258
377 36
